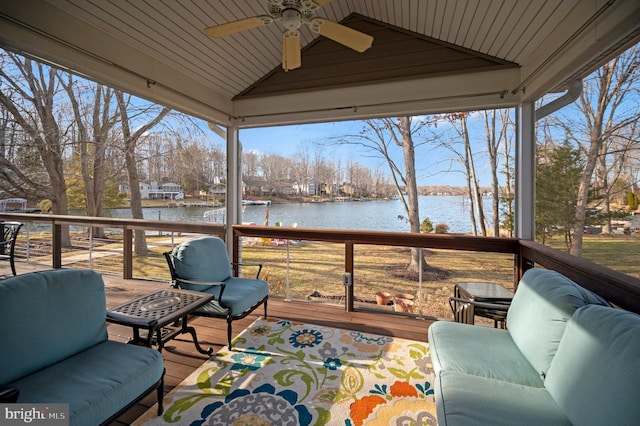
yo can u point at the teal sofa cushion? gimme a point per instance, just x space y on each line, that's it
55 347
47 317
467 400
595 375
239 295
541 307
96 383
481 351
202 259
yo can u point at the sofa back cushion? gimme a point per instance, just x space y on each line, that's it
595 375
202 259
541 307
48 316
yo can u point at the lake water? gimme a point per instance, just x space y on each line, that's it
378 215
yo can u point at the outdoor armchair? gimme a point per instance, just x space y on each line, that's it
9 232
203 264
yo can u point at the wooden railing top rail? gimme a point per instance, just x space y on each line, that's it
402 239
153 225
618 288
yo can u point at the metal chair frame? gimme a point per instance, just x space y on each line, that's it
176 283
9 232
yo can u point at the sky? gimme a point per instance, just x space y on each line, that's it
432 163
287 140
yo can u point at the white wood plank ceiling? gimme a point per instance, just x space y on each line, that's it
162 41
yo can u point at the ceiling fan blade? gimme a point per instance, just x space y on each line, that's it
291 50
237 26
339 33
321 2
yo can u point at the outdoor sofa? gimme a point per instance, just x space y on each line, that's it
566 358
55 348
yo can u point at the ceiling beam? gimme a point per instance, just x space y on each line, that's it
36 29
592 33
459 92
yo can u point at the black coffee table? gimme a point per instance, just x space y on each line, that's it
160 316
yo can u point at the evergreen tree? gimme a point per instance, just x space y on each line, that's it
557 181
632 200
76 191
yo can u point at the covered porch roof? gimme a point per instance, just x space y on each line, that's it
427 55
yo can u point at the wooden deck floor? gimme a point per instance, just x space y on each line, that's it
181 357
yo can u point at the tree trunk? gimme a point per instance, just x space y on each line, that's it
493 143
130 143
140 240
583 193
473 179
413 212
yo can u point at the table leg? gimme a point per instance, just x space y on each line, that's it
159 340
192 331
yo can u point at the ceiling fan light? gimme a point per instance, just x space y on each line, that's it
291 19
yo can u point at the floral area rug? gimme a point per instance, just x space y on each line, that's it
289 373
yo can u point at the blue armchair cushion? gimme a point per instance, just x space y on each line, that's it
541 307
239 295
595 375
43 300
202 259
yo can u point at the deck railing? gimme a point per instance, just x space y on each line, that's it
620 289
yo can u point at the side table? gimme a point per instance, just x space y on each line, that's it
150 316
467 292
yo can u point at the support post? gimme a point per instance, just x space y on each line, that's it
56 246
127 249
525 196
348 275
234 185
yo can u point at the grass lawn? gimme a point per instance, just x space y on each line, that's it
315 269
619 252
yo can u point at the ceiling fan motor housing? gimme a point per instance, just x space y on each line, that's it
288 9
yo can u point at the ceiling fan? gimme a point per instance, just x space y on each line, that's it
292 14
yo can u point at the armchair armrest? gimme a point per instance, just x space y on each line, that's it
259 265
502 307
176 282
8 394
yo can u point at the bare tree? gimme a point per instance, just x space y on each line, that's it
495 136
29 93
602 115
318 169
465 157
360 177
507 195
379 137
250 163
302 168
92 131
130 140
275 170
